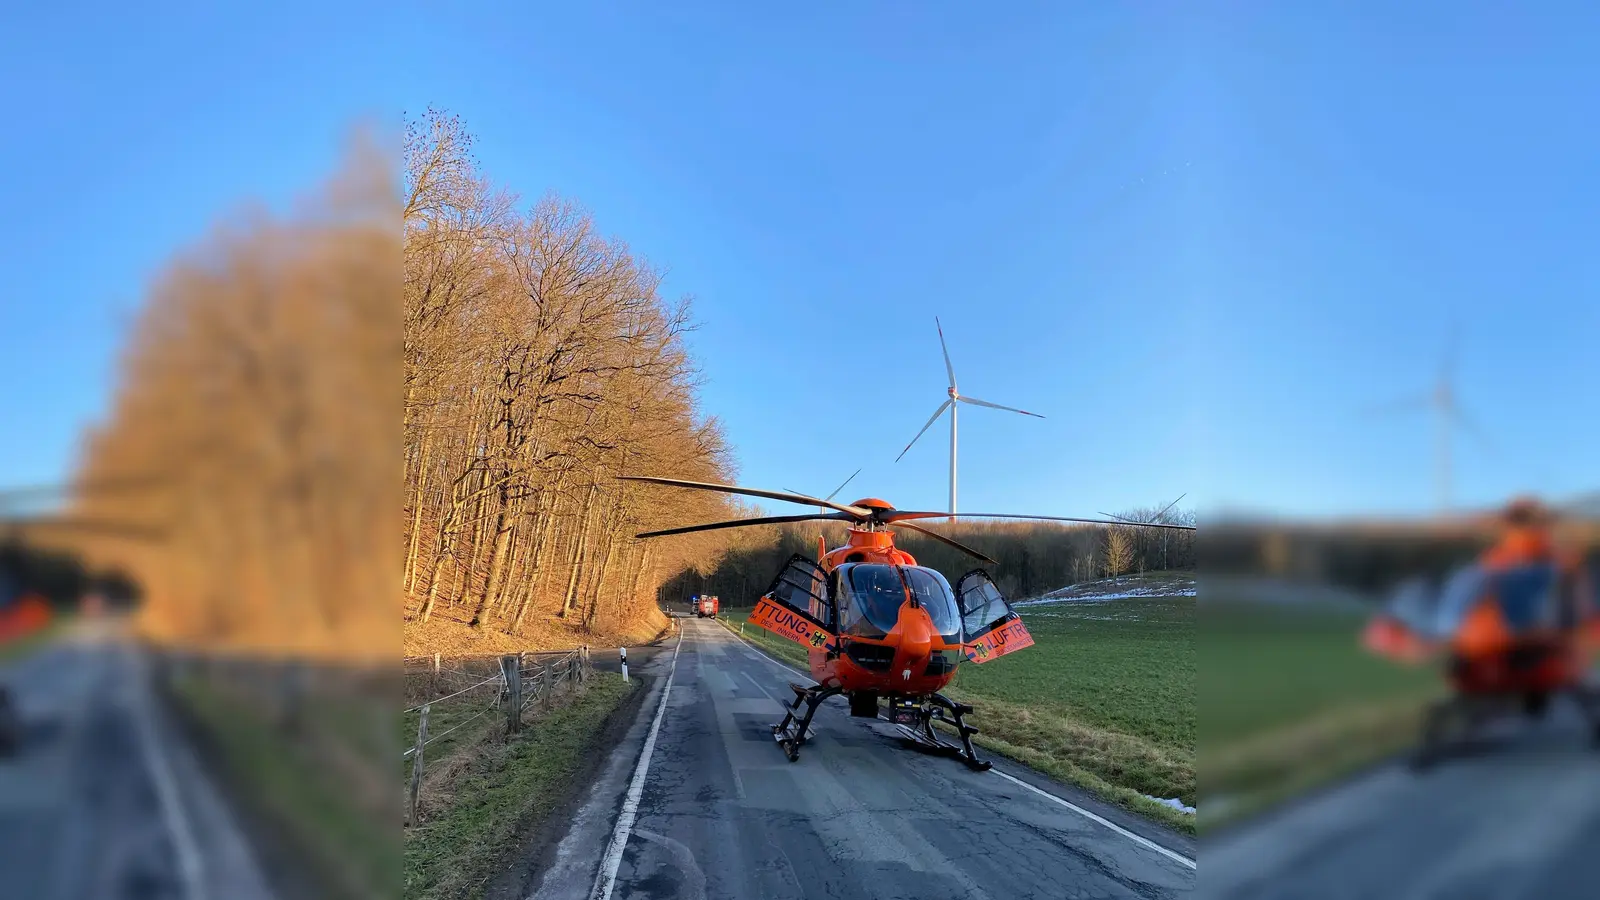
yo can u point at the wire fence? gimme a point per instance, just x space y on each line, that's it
521 681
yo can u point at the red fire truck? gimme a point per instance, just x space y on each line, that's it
706 607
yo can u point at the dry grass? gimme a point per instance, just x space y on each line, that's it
484 798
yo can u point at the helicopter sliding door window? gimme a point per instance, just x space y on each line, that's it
797 605
992 627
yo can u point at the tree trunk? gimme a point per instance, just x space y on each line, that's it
419 501
579 552
541 537
497 562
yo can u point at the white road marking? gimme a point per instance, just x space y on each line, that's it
606 881
183 843
1143 842
1137 839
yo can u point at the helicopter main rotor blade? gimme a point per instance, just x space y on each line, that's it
946 350
931 419
942 539
854 511
902 514
740 523
976 402
92 526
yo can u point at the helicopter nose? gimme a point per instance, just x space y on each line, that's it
914 643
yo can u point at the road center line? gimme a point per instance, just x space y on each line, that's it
606 880
1137 839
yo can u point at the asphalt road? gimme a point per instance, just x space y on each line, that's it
723 814
1515 816
103 800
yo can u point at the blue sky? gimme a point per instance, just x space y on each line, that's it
1198 245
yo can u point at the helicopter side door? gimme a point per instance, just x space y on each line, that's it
992 628
797 605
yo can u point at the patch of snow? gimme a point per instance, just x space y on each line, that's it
1102 598
1174 802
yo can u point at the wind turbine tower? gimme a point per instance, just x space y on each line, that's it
953 398
1447 412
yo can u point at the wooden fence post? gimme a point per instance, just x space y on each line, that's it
510 668
549 684
416 762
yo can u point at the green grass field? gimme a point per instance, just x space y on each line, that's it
1105 698
1289 700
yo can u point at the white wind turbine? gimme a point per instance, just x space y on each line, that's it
1441 400
950 404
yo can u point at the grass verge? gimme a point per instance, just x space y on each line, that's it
1104 700
302 805
1292 702
506 790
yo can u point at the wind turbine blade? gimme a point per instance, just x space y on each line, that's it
976 402
1163 513
1447 361
942 539
936 414
1471 426
841 487
1408 404
946 350
1119 518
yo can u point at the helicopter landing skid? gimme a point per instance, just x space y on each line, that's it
791 733
924 737
1449 722
10 726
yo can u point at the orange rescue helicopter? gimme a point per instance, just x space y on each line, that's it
878 625
1515 629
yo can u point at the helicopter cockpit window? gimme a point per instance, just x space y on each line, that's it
1527 596
932 592
1461 590
870 599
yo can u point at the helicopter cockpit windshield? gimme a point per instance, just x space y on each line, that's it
933 593
870 596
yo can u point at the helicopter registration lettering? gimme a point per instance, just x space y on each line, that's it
787 623
1008 638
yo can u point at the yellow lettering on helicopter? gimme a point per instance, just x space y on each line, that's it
1008 638
785 622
